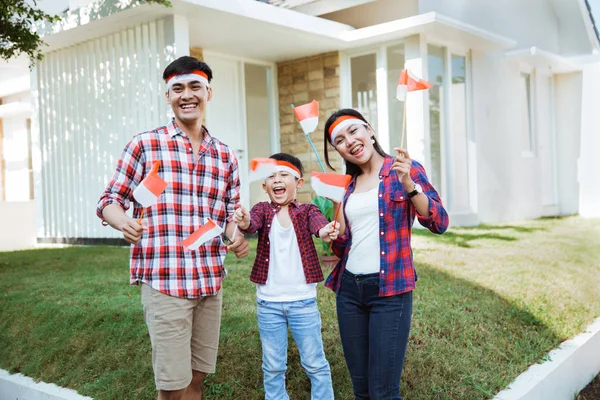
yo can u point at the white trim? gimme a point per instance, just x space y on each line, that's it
536 58
15 108
569 368
18 386
320 7
471 139
589 28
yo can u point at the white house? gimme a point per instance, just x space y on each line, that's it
510 131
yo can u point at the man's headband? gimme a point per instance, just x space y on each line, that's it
192 76
343 122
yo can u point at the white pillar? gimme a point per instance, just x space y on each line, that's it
176 37
589 159
417 115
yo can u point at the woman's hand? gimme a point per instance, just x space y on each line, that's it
402 164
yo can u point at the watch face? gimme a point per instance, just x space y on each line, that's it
418 188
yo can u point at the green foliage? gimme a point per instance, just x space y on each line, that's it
18 21
326 207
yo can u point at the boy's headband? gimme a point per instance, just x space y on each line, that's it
287 167
343 122
192 76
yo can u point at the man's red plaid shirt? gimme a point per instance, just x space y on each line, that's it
200 187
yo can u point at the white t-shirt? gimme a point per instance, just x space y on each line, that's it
362 210
286 280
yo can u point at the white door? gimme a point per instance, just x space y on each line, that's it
547 149
225 114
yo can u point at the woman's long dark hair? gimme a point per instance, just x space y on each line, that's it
351 168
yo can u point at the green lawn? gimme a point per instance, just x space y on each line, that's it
490 301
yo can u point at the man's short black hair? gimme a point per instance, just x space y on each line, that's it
186 65
289 158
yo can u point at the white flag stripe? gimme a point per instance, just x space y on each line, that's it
262 172
401 91
144 196
331 192
309 124
205 237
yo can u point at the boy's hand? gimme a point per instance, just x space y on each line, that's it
329 232
241 216
240 246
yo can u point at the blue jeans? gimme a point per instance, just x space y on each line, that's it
374 332
304 320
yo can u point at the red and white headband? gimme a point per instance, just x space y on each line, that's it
341 123
284 166
192 76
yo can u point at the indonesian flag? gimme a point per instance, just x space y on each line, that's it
308 116
150 188
203 234
409 83
332 186
262 168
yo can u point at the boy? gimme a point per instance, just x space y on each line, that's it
286 272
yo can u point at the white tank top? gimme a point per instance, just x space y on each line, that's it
362 210
286 280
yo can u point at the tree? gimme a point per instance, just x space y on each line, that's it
18 19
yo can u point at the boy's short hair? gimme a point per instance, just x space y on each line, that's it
289 158
186 65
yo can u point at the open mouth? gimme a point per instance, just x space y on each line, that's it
356 149
189 106
278 191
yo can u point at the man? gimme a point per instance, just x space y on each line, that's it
181 289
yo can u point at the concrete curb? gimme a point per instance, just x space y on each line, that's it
571 367
21 387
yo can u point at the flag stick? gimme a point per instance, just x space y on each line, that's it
339 207
313 149
403 125
141 216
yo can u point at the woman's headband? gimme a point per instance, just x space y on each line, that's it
341 123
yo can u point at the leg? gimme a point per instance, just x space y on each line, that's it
169 321
353 320
388 337
305 323
194 390
272 325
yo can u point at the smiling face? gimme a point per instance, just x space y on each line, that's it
282 187
188 101
353 142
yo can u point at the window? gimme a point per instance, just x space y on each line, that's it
395 64
525 105
459 199
364 86
436 67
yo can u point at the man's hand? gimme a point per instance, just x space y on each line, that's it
132 229
240 246
329 232
241 216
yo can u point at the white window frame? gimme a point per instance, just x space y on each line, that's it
531 152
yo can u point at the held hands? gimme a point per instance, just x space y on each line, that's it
402 164
240 246
241 216
132 229
329 232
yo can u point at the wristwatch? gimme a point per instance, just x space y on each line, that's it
418 189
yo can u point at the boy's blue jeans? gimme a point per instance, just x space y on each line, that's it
304 320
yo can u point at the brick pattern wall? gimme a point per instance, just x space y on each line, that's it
196 52
299 82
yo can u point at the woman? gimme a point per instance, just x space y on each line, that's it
375 277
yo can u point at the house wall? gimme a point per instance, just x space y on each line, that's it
531 22
299 82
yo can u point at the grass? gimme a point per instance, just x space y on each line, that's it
490 301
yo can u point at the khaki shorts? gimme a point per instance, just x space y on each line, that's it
184 335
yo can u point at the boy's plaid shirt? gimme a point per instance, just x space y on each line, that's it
206 187
396 216
307 221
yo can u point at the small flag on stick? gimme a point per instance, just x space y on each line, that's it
331 186
262 168
308 116
150 188
202 235
409 82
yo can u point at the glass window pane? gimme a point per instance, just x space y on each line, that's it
460 172
525 106
364 87
395 64
435 59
